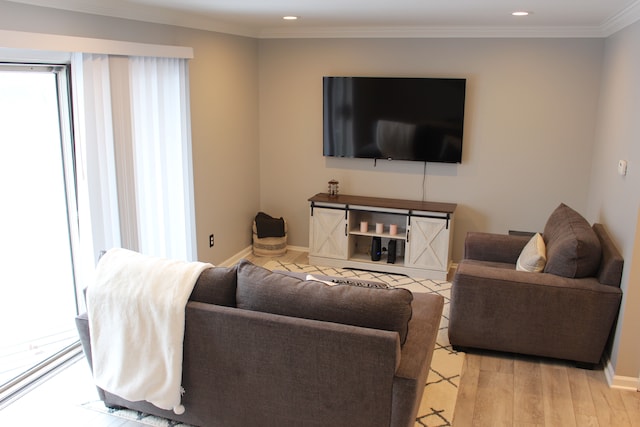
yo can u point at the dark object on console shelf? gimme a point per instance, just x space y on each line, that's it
376 249
391 256
267 226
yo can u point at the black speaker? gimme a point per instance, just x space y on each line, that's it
391 257
376 249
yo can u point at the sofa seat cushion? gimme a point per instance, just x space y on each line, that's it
259 289
573 248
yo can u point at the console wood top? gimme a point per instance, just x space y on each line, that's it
380 202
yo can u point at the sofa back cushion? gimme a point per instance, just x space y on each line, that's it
573 248
262 290
216 285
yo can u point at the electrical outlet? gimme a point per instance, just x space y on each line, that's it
211 241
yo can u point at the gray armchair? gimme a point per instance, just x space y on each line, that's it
567 311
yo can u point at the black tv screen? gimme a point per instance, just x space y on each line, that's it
394 118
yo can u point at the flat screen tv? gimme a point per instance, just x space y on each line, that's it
395 118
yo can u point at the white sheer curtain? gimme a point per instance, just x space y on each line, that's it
162 156
99 224
134 162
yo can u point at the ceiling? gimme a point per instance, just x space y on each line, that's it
373 18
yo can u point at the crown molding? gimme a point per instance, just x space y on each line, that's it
622 19
433 32
142 13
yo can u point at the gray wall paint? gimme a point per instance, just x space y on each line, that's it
614 199
529 127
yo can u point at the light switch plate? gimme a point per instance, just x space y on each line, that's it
622 167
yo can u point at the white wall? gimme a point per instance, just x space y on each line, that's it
614 199
529 127
224 114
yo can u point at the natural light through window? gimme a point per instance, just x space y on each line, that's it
37 301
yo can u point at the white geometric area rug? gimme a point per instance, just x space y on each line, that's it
441 389
129 414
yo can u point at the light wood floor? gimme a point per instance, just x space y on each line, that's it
495 390
507 390
58 402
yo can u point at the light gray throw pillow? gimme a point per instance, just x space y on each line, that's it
533 256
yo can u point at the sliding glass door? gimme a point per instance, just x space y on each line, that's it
37 291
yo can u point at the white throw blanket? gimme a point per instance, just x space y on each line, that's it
136 310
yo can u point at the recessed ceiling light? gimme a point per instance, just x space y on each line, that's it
521 13
289 18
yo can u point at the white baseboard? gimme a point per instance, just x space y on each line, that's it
249 249
297 249
620 382
237 257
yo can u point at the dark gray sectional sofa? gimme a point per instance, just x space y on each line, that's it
267 349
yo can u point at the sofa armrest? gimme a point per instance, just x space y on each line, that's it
416 356
493 247
82 324
421 338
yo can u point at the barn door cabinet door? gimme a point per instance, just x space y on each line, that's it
429 243
329 234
